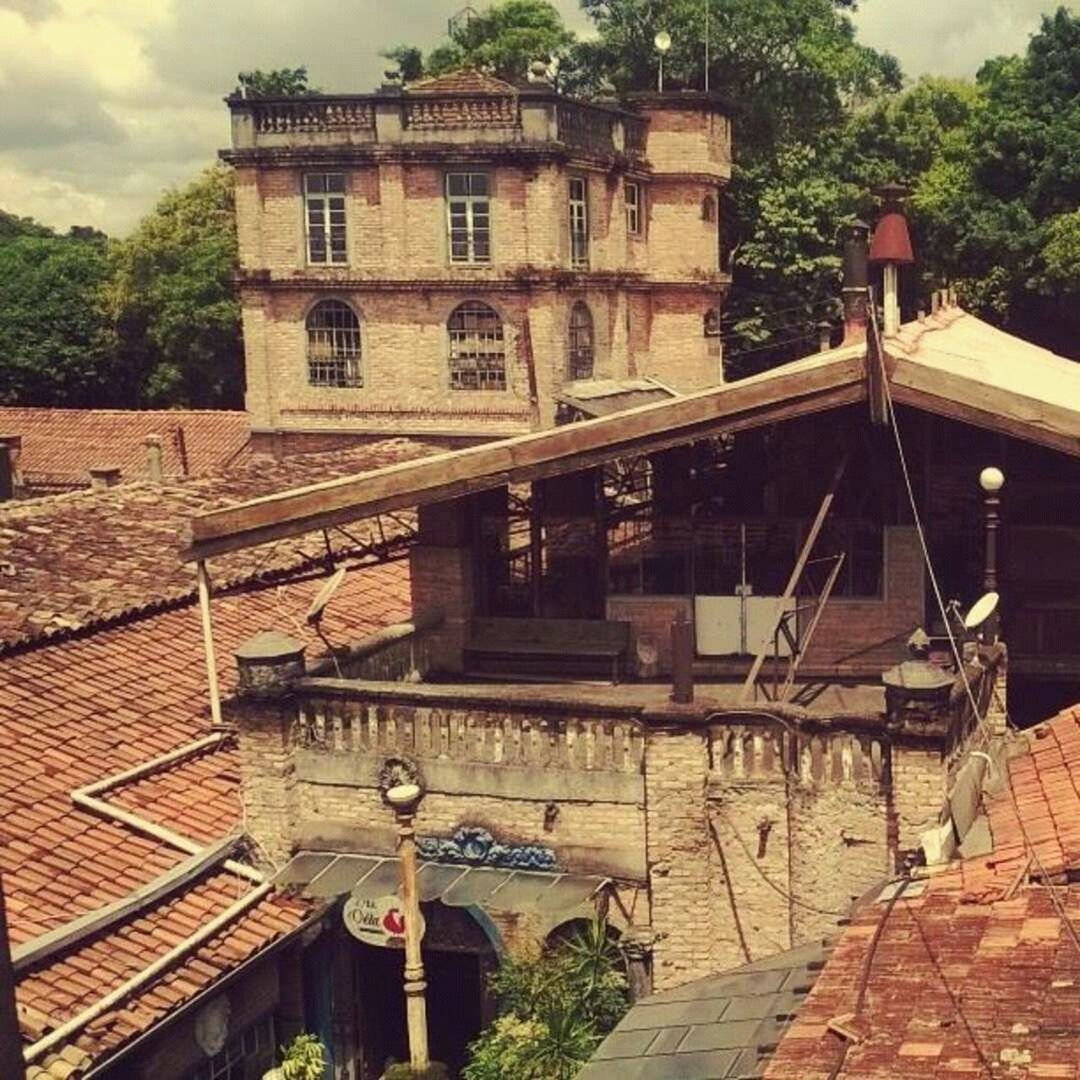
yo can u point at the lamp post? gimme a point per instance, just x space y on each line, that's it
991 480
404 799
662 41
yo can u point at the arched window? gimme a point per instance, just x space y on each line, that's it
477 349
333 345
581 350
708 208
711 322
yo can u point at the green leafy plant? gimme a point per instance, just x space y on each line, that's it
404 1071
303 1059
555 1007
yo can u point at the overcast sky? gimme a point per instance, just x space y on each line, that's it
103 103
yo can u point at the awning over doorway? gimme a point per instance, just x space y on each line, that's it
323 875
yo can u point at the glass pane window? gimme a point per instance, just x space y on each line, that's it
581 342
633 208
333 345
246 1056
468 217
477 348
579 221
324 217
711 322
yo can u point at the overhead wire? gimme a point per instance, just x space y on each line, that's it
976 711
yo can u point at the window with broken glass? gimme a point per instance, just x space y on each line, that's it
324 217
468 217
245 1057
477 348
579 222
581 342
333 345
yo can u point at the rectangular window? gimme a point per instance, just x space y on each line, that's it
579 221
633 207
468 217
324 217
244 1057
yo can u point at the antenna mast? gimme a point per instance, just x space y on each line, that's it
708 4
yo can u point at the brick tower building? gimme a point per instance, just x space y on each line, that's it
452 258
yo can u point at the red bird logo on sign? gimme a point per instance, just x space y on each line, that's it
394 922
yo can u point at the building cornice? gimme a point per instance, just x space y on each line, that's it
516 281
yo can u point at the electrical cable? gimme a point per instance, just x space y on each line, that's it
980 719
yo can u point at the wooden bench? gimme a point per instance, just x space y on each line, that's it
550 647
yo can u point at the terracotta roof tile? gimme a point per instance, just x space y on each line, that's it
73 712
978 975
461 81
75 560
60 446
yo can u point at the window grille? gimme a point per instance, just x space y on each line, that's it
477 348
581 342
633 208
333 345
324 215
468 217
244 1057
579 221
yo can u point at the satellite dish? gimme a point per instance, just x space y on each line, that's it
981 610
322 598
662 41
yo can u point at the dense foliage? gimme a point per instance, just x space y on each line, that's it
554 1008
152 320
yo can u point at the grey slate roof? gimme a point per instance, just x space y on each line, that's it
724 1027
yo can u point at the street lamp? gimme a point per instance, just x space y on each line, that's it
404 799
991 480
662 41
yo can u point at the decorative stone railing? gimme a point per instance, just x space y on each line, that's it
344 723
461 111
312 115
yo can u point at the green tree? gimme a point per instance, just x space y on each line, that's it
54 343
172 299
504 39
281 82
555 1007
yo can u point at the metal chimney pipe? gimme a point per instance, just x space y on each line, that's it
856 282
11 1059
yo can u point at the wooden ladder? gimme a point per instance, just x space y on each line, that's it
779 628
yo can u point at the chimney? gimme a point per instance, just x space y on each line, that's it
7 471
155 461
856 280
104 476
11 1059
891 247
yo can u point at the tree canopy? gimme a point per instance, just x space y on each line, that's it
280 82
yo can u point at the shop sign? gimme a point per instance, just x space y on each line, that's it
377 920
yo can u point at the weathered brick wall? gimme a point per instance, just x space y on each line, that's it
650 619
869 635
397 249
689 141
679 855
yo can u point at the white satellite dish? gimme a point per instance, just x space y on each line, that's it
981 610
662 41
322 598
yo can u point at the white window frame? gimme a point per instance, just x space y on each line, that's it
635 218
476 349
325 219
470 213
334 347
578 205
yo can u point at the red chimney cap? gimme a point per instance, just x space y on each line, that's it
891 243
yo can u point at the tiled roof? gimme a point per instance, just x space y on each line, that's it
461 81
74 560
74 712
978 975
723 1026
60 446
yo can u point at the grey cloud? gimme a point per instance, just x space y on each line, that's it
31 10
39 108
